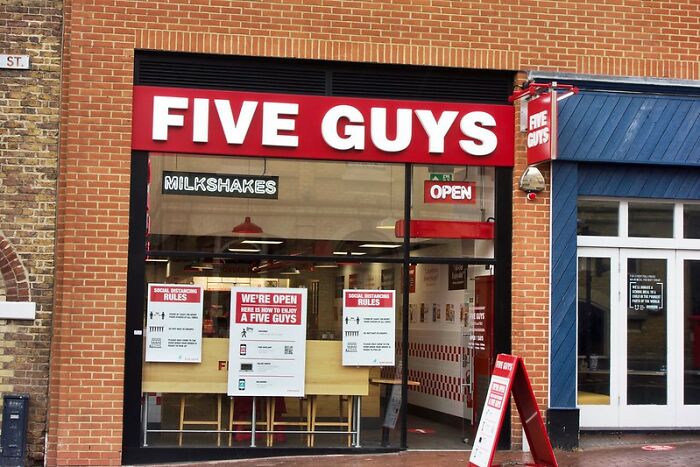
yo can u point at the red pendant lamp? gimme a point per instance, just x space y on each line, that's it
247 227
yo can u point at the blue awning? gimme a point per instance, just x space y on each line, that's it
630 128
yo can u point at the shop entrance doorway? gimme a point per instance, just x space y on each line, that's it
638 360
449 351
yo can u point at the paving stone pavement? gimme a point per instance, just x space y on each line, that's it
683 452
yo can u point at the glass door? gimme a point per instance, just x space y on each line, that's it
648 304
688 267
598 327
637 323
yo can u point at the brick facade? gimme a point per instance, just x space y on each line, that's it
605 37
29 125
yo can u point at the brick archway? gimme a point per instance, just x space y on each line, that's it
13 273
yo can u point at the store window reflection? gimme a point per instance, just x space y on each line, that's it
189 406
691 340
452 211
650 219
594 331
223 223
597 218
647 327
315 208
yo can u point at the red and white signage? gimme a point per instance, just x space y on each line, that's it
509 375
174 294
449 192
174 323
542 117
368 327
269 308
541 128
267 342
319 127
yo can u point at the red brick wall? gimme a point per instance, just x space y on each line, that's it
623 37
530 314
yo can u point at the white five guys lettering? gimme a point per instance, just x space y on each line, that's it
343 127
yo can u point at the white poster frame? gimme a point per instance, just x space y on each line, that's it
174 324
267 358
369 331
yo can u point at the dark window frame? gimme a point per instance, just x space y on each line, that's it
419 83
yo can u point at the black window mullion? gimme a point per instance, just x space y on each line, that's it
135 299
408 182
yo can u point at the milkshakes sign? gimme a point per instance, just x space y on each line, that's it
267 342
368 327
229 185
320 127
174 323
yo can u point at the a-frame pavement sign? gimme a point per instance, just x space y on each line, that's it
509 376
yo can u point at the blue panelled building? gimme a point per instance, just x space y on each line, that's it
625 260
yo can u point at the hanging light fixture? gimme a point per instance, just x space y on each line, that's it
247 227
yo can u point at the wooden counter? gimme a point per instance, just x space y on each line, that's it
325 374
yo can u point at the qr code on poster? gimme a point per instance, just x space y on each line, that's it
288 349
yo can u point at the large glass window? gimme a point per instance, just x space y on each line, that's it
227 222
598 218
691 221
639 218
318 208
187 402
314 225
452 211
650 220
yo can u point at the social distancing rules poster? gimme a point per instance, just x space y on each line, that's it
368 327
267 342
174 323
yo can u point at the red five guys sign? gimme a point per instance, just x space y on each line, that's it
319 127
541 128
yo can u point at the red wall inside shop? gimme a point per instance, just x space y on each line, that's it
595 37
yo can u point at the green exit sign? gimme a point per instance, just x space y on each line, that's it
435 177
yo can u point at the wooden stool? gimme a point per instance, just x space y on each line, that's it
232 422
347 424
185 422
304 422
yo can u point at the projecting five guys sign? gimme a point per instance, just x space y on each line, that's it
320 127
